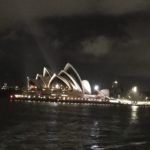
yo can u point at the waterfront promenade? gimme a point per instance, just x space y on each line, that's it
77 100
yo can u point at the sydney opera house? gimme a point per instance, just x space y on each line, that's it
66 83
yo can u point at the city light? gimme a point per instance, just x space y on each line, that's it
116 82
57 86
96 87
134 89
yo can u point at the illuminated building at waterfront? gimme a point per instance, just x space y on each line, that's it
67 83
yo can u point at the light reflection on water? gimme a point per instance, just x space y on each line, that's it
76 127
134 116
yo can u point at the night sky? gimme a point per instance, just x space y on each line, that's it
105 40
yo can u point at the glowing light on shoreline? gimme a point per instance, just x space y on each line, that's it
96 87
134 89
116 82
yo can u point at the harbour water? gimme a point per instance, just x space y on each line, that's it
53 126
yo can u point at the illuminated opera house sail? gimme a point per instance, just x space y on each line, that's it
66 82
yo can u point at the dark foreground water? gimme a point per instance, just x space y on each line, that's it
45 126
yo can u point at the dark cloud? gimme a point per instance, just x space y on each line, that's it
27 10
120 7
